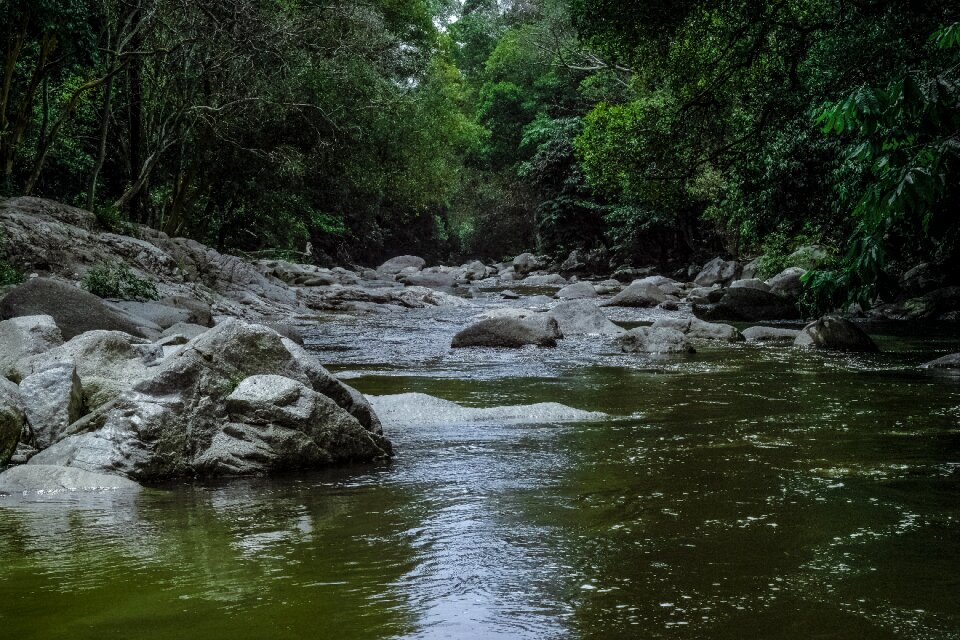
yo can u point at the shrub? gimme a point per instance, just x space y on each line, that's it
118 281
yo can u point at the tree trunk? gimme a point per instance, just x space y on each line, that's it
102 148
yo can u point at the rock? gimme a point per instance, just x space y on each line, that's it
717 271
574 263
750 269
432 280
704 295
638 295
509 332
12 419
809 257
749 305
75 311
694 328
525 263
52 479
180 423
475 270
548 280
666 285
654 340
951 361
787 283
770 334
52 401
751 283
579 317
26 336
418 410
510 295
396 265
167 312
835 333
578 291
187 330
287 330
921 279
669 305
629 274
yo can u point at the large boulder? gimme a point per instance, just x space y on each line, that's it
431 279
809 257
638 294
509 332
750 283
835 333
525 263
749 305
394 266
577 291
921 279
654 340
184 421
951 361
52 400
544 280
579 317
717 271
787 283
700 330
705 295
12 419
53 479
164 314
770 334
667 285
74 310
24 337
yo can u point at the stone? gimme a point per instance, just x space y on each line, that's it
509 333
698 329
809 257
574 263
577 291
750 283
638 295
525 263
835 333
667 285
416 410
546 280
951 361
510 295
52 401
396 265
475 270
185 329
787 283
54 479
163 315
74 310
654 340
770 334
24 337
921 279
717 271
705 295
13 421
749 305
287 330
580 317
750 270
432 280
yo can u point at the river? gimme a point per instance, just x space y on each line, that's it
742 492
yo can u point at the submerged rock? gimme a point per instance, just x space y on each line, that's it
655 340
770 334
835 333
53 479
951 361
418 409
695 328
509 332
578 317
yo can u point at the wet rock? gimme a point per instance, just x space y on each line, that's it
749 305
770 334
579 317
638 295
52 401
835 333
787 283
951 361
75 311
54 479
431 279
510 295
525 263
654 340
751 283
510 333
419 410
717 271
12 419
396 265
24 337
700 330
577 291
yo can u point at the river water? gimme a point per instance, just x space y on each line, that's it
742 492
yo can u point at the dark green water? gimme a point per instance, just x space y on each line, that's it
743 492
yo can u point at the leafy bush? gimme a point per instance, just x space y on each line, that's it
118 281
113 220
9 274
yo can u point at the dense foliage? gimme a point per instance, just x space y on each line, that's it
638 132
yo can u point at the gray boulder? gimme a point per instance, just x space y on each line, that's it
509 332
809 257
579 317
770 334
749 305
654 340
665 284
164 314
577 291
698 329
396 265
787 283
951 361
750 283
638 295
431 279
835 333
24 337
52 479
52 401
475 270
75 311
717 271
750 269
704 295
525 263
12 419
546 280
185 329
